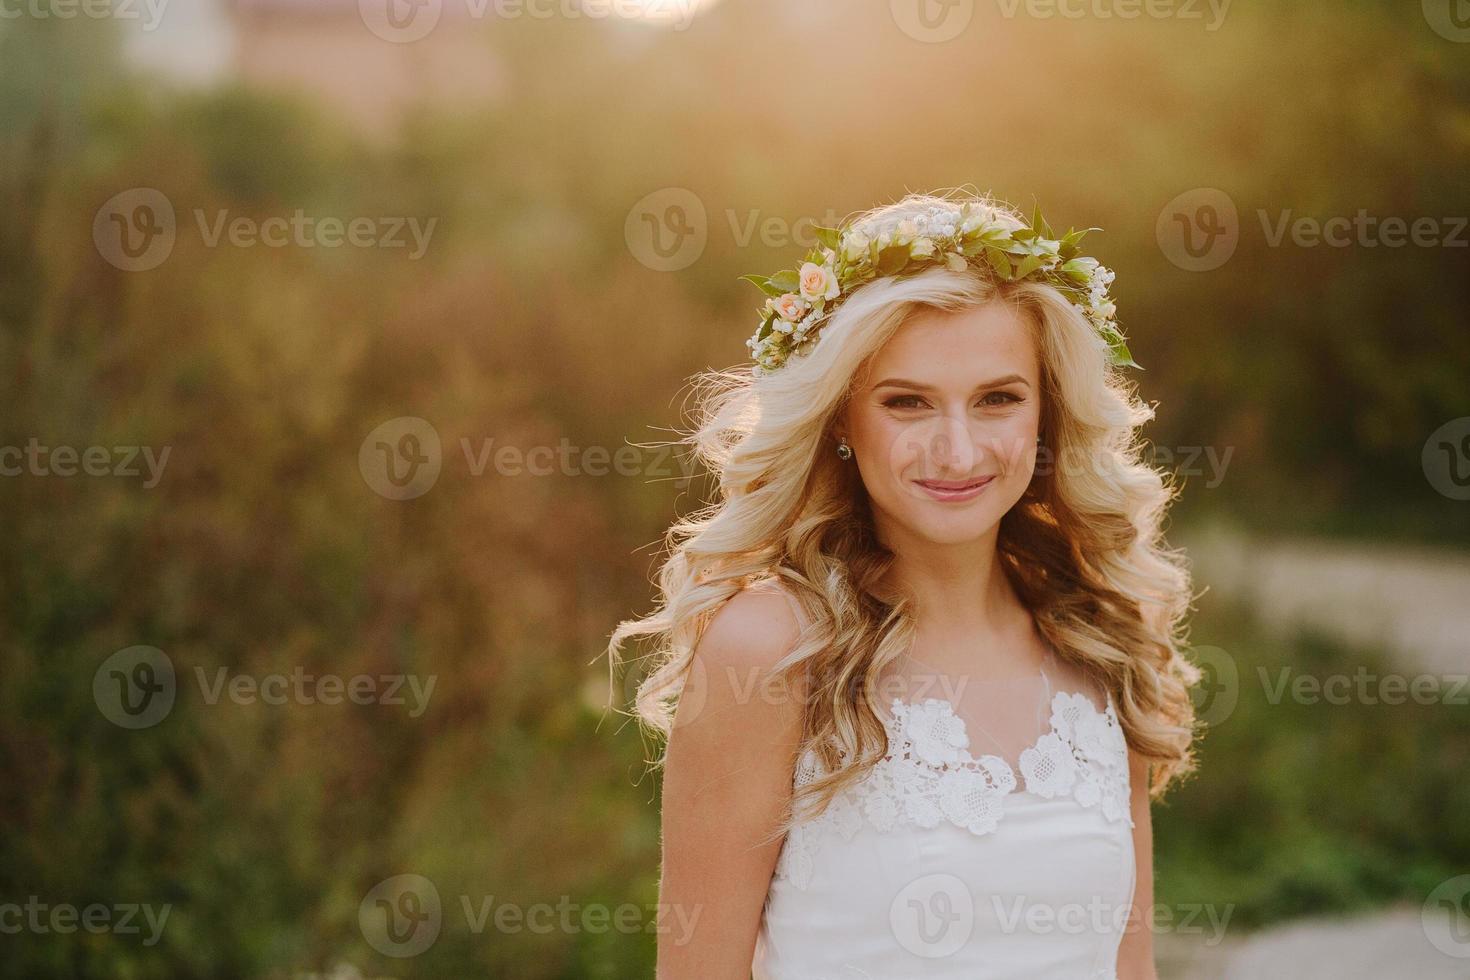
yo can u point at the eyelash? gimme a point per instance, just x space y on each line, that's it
894 401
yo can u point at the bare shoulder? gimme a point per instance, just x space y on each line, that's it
755 628
736 675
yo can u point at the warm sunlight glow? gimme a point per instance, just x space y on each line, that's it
676 14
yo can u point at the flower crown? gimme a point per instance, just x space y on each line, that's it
800 301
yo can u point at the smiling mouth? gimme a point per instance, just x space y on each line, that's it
954 489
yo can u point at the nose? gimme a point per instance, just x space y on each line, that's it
952 448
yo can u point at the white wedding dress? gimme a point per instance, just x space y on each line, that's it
993 842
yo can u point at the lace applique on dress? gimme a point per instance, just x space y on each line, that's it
929 777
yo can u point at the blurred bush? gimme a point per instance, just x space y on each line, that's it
1319 803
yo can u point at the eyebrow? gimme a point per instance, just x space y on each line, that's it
920 386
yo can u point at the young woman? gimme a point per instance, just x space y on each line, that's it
920 667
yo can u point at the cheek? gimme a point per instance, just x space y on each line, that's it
889 448
1011 442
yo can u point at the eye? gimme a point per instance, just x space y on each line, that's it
903 401
999 398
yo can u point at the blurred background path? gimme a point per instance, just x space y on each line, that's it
1412 601
1386 945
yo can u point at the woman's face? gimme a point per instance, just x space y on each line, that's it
943 426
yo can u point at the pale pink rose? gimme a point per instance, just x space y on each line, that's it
817 282
789 307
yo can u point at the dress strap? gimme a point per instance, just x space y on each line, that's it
1043 709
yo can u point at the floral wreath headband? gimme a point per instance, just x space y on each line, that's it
800 301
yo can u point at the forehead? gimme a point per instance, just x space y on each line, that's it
959 346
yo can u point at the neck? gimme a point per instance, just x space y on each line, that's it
958 589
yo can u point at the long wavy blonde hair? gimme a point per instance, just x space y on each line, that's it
1083 548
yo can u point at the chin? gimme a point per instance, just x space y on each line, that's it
953 532
951 528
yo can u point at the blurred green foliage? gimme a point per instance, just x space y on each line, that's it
1311 798
528 321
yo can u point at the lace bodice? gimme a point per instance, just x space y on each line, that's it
948 861
928 775
993 841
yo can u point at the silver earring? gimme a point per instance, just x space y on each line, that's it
844 451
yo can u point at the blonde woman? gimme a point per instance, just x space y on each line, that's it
919 666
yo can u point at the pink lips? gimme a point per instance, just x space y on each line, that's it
952 491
